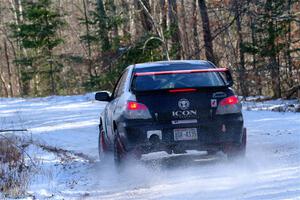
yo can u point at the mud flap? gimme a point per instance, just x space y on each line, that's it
236 150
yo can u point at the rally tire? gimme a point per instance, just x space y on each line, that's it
119 152
238 151
102 146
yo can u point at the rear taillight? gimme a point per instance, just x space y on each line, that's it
135 110
132 105
229 101
229 105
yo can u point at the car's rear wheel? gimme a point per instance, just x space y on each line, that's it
237 151
102 146
119 151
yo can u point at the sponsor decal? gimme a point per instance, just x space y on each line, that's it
213 103
219 95
183 104
184 113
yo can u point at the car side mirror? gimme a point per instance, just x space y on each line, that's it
102 96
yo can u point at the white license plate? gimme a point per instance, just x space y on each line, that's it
185 134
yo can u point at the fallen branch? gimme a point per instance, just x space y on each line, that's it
64 152
20 148
12 130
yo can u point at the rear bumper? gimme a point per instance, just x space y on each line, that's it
212 134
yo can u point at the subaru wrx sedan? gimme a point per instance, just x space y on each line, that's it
171 106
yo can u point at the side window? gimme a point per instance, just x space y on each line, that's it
121 84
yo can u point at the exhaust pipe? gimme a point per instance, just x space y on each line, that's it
154 139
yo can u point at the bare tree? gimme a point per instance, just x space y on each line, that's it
184 31
163 11
195 30
241 65
272 47
208 43
158 30
8 69
146 21
88 34
174 29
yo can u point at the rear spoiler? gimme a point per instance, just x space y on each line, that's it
228 78
181 71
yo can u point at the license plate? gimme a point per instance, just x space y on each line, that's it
185 134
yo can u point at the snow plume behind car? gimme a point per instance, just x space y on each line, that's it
198 177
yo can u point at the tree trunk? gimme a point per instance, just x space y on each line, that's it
159 31
275 76
8 69
163 20
241 65
115 29
87 29
195 31
4 85
125 27
174 30
17 9
254 60
272 48
184 34
53 87
18 70
20 9
163 14
206 32
145 20
288 53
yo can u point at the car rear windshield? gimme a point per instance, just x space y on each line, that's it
176 80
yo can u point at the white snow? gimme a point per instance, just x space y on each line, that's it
271 169
281 105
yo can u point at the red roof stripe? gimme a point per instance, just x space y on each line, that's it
181 71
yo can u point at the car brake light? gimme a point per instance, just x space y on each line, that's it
229 105
229 101
135 110
182 90
132 105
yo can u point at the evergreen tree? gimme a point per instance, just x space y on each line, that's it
271 28
38 35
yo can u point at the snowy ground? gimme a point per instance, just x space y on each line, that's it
280 105
64 131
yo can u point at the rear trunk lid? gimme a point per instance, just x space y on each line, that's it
166 106
181 94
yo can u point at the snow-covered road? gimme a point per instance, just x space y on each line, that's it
271 169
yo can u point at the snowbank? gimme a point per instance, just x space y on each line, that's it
280 105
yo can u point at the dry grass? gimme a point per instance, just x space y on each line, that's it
14 172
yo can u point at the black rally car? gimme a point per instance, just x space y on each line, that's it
171 106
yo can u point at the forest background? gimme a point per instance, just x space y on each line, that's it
63 47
